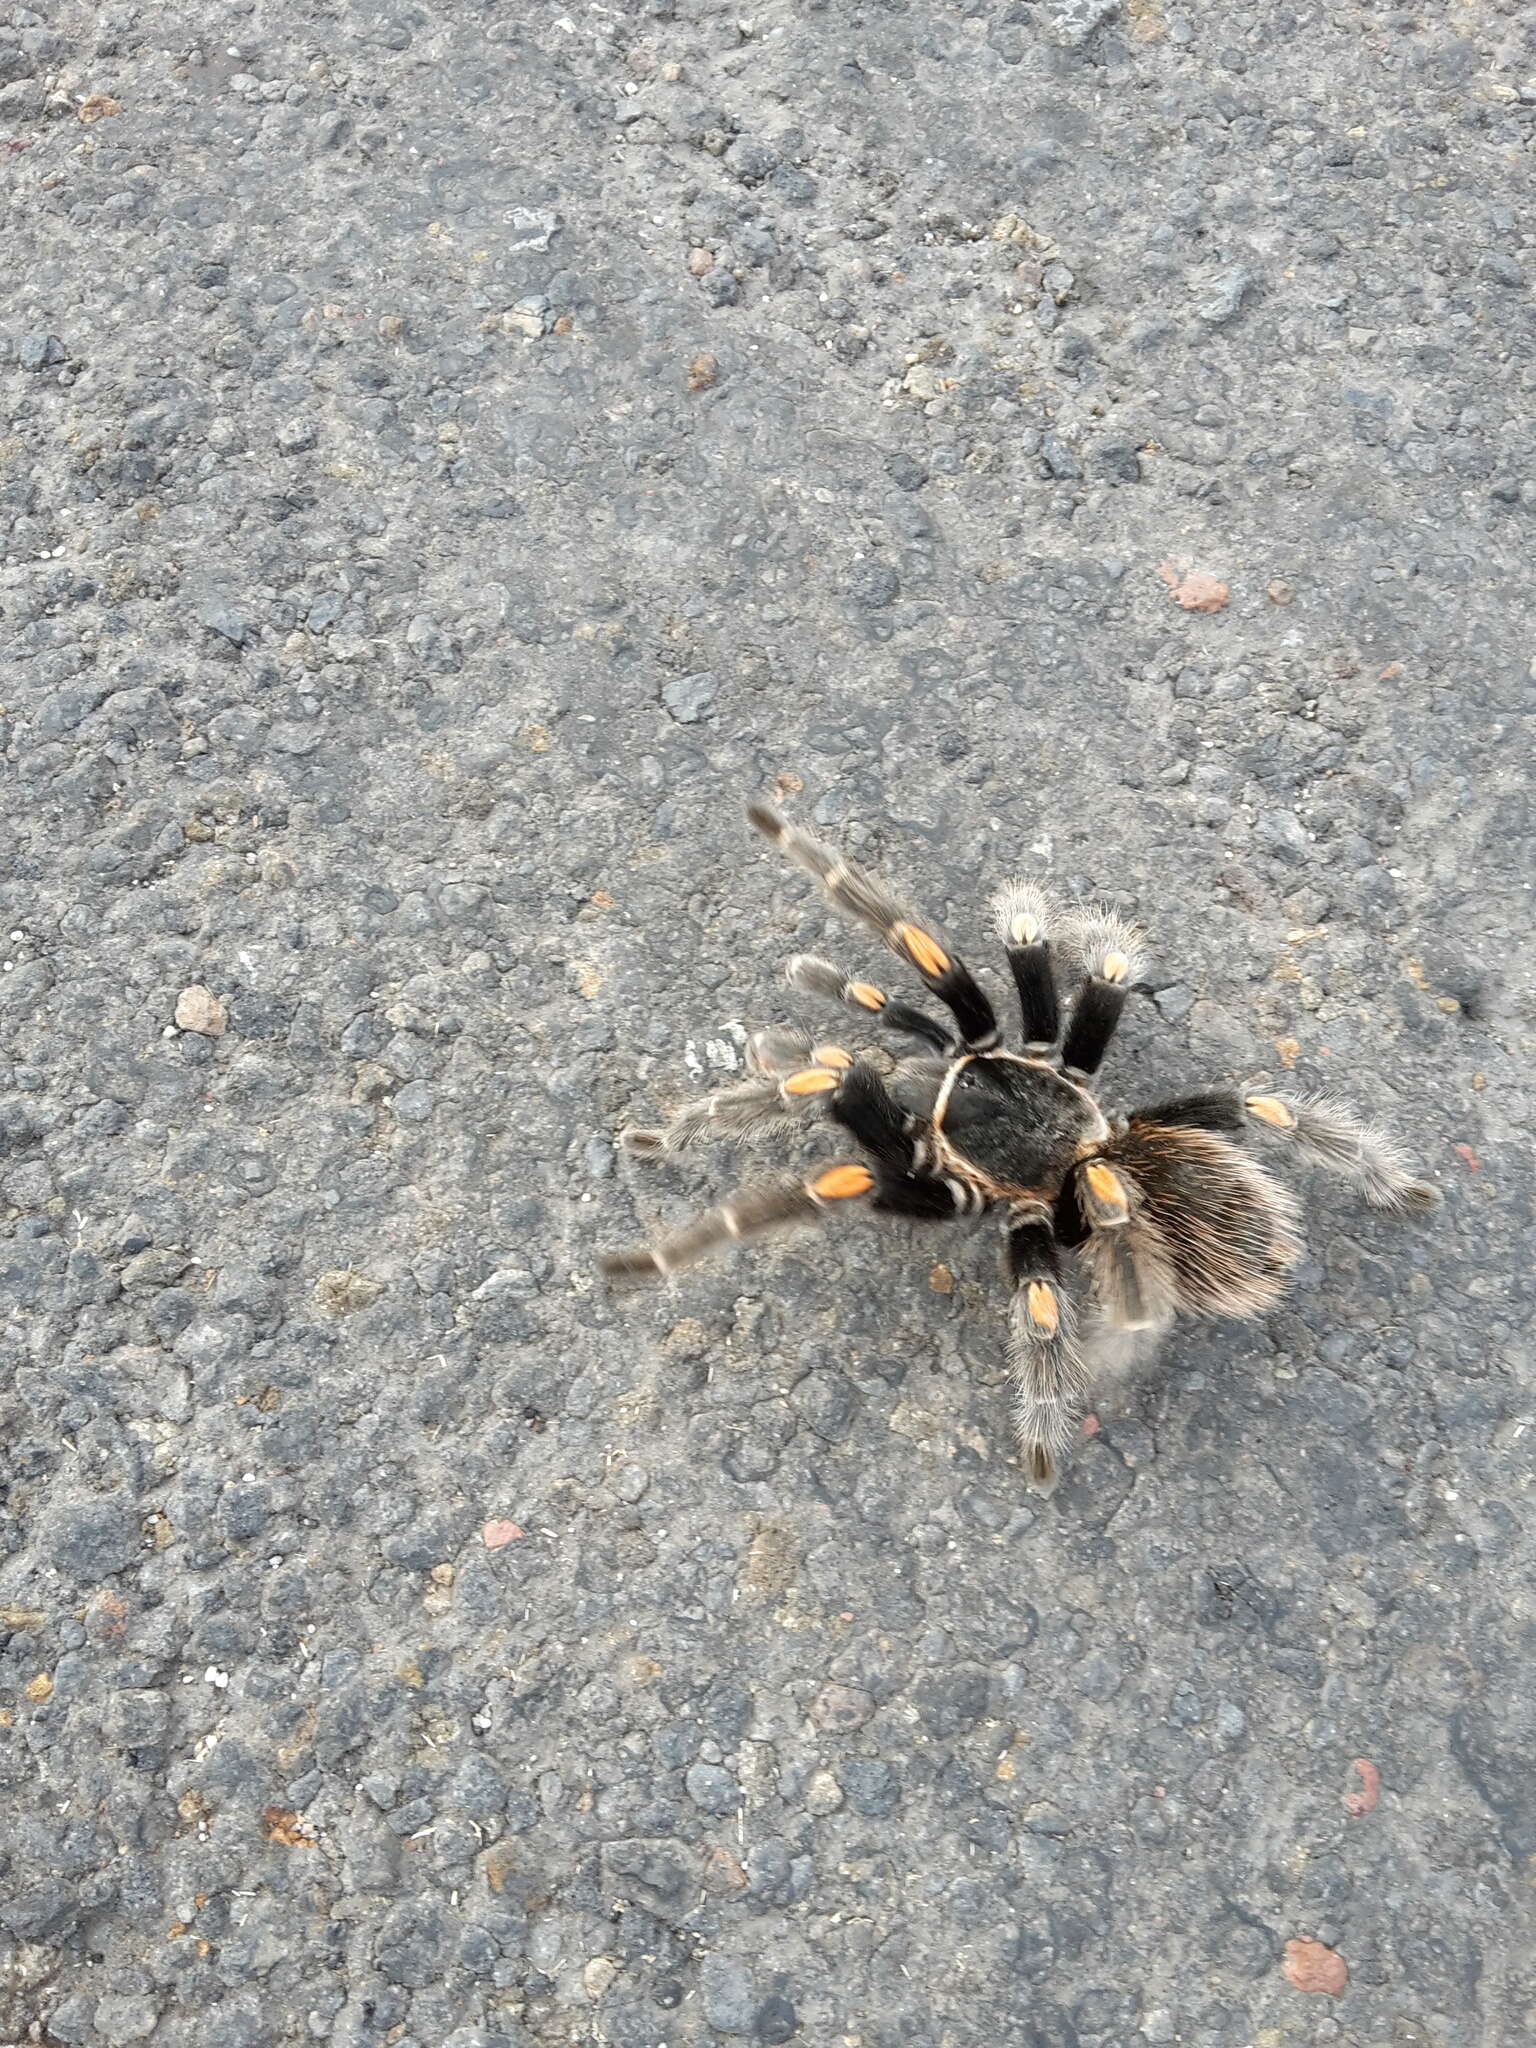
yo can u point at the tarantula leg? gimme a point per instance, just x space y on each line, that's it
1122 1247
778 1049
894 1136
861 896
1050 1380
1203 1109
749 1111
1109 948
752 1214
926 1198
787 1203
1332 1135
1328 1133
817 977
817 1080
787 1072
764 1105
1025 915
867 1110
1103 1196
897 1139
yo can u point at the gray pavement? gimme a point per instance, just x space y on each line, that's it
451 458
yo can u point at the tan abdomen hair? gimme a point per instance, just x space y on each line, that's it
1229 1228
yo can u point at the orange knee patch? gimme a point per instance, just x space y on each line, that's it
1116 967
1269 1109
839 1182
831 1056
1108 1202
810 1081
866 995
922 949
1044 1309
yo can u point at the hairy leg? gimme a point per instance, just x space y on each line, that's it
816 977
869 902
753 1213
1109 949
1050 1381
751 1111
1322 1131
1105 1212
784 1204
1025 917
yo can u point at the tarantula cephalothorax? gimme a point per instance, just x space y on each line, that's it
1161 1207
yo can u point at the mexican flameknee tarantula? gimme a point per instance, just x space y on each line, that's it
1160 1206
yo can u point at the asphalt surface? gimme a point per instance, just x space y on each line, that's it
451 459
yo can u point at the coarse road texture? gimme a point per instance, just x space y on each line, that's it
453 457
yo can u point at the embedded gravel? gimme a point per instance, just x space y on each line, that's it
452 457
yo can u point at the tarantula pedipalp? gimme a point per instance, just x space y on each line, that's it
1161 1208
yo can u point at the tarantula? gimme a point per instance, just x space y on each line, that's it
1160 1206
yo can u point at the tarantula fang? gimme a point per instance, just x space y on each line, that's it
1163 1210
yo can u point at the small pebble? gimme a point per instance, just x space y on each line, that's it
823 1794
294 436
712 1789
690 698
199 1009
